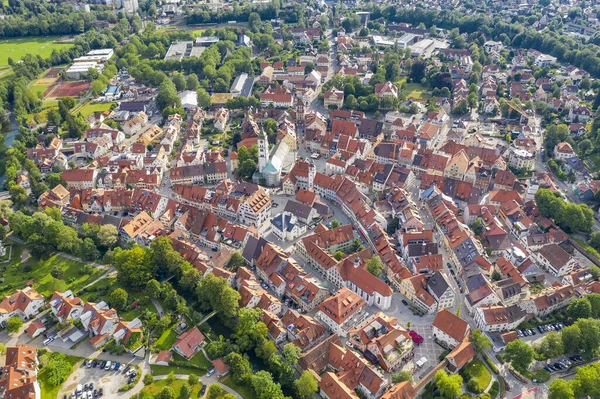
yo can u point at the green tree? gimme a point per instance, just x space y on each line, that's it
193 379
14 324
192 82
179 81
216 294
265 387
357 245
480 341
241 370
107 236
590 333
585 147
571 338
402 376
166 393
203 98
580 308
450 386
561 389
587 381
153 289
374 266
306 385
57 370
519 354
134 266
185 392
339 255
552 345
118 299
167 96
477 226
236 261
335 224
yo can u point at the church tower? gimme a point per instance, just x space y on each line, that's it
312 172
263 150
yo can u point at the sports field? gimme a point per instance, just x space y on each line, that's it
17 48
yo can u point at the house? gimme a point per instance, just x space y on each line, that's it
65 306
563 151
387 89
461 356
189 343
19 379
23 303
449 329
499 318
162 358
333 97
221 118
221 368
341 311
35 328
79 179
555 260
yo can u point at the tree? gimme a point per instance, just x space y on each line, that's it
561 389
477 226
519 354
97 87
193 379
236 261
402 376
590 333
192 82
480 341
107 236
339 255
167 96
587 381
374 266
89 250
185 391
552 345
153 289
14 324
306 385
594 240
241 370
148 379
580 308
265 387
118 299
216 294
171 378
166 393
335 224
57 370
133 266
571 338
357 245
254 22
585 147
450 386
179 81
203 98
2 349
417 72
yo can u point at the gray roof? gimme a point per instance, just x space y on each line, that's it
298 209
437 284
422 249
283 222
253 249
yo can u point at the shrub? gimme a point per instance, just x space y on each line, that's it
148 379
473 385
490 364
495 389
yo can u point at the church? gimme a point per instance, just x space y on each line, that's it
271 166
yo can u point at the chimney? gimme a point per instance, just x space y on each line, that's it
356 262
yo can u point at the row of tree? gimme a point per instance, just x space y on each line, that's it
569 216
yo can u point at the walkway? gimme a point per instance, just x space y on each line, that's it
213 379
158 307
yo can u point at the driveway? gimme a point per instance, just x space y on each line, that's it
109 381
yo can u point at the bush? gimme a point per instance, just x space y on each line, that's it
473 385
491 365
127 387
495 389
148 379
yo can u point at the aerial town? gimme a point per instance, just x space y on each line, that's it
309 199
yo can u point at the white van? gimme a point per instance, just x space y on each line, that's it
79 389
107 367
47 341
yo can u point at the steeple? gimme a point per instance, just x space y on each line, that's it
263 150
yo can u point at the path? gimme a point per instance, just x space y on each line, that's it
158 307
213 379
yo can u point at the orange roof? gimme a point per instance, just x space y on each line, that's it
451 324
342 305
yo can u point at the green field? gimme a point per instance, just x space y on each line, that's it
151 391
198 365
17 273
245 391
49 391
17 48
90 108
477 370
167 339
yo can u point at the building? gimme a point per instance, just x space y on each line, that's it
189 343
333 97
555 260
19 378
79 179
342 311
449 329
24 303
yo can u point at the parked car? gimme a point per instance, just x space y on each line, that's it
404 302
202 391
548 369
100 392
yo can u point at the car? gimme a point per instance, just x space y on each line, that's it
548 369
130 372
404 302
64 396
210 372
202 391
540 329
116 366
95 393
126 368
100 392
108 365
532 332
91 386
559 366
551 367
519 333
90 364
84 364
449 265
47 341
452 272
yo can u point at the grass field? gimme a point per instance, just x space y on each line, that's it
90 108
244 390
17 48
151 391
414 90
477 370
49 391
17 273
167 339
198 365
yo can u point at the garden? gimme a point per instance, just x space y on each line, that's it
477 376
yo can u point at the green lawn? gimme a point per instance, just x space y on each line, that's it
49 391
416 90
151 391
17 48
244 390
39 89
104 287
477 370
17 274
595 160
90 108
198 365
167 339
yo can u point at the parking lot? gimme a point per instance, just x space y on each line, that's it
109 380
